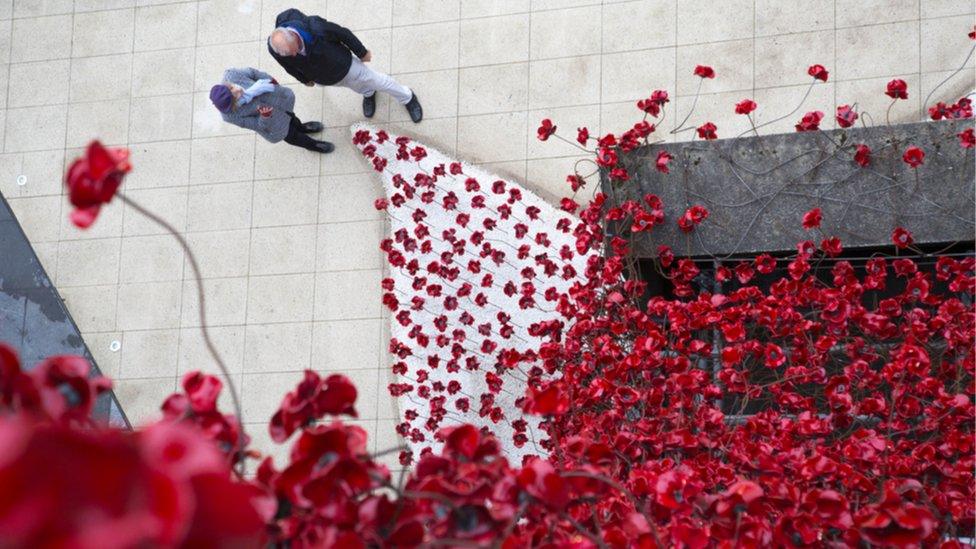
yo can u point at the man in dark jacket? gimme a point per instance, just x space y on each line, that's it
316 51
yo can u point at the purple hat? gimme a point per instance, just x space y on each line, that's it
222 98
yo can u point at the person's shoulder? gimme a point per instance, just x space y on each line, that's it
291 14
233 75
319 25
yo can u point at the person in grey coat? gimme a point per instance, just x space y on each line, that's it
252 99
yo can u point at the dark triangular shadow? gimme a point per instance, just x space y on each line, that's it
33 318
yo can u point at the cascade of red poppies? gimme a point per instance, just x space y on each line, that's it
476 266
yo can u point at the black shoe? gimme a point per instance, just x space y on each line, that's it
369 106
312 127
324 147
415 110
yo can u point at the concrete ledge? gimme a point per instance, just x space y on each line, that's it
757 189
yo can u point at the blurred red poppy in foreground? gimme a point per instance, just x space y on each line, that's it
93 180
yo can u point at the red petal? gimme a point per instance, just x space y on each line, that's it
103 161
84 217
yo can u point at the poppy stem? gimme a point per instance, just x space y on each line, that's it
204 328
573 143
924 105
394 450
755 128
692 109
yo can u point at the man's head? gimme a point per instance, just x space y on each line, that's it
284 42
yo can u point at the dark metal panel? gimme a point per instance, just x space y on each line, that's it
33 317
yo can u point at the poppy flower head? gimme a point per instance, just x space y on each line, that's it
897 89
704 71
606 157
812 219
819 72
846 116
692 217
810 122
914 156
661 164
93 179
967 138
862 155
582 135
707 131
902 238
745 106
546 129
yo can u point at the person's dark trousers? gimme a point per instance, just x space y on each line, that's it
297 137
